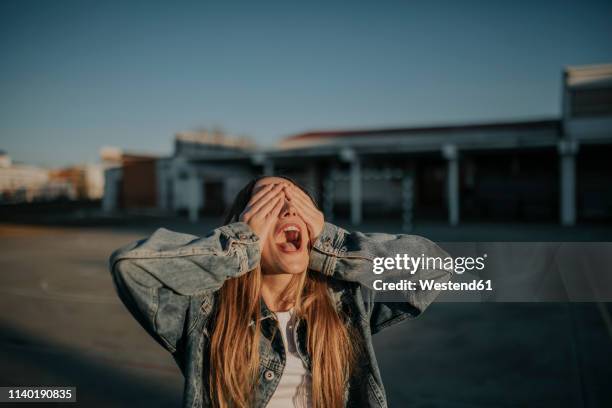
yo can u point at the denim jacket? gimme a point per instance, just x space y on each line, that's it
168 282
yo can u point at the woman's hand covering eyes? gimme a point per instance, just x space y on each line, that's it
308 211
261 212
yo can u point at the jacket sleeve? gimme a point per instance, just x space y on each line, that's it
160 277
350 256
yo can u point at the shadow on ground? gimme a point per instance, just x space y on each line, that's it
33 361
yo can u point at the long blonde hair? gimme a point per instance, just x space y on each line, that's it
234 349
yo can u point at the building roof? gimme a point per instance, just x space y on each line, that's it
522 125
588 74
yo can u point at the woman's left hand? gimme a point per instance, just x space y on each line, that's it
310 214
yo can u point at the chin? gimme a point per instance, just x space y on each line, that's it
294 271
279 264
292 268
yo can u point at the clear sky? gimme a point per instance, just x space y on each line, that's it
78 75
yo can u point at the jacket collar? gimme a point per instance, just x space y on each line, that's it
266 313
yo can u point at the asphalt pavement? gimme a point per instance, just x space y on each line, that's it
61 323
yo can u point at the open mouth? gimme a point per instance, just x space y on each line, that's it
291 238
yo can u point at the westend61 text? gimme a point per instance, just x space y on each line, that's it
427 284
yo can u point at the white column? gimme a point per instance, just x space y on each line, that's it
349 155
329 187
452 182
567 173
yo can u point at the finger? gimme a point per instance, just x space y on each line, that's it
272 216
303 205
298 192
277 209
301 208
310 214
265 199
310 231
261 194
270 205
251 211
307 215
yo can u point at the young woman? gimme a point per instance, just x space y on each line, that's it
276 308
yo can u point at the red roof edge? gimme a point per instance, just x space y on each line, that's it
517 125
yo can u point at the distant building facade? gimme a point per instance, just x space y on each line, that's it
545 170
131 183
86 181
184 183
21 183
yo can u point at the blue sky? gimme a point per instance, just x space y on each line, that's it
78 75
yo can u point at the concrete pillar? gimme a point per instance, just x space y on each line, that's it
112 184
329 187
407 201
355 180
311 181
260 159
194 197
268 167
350 156
161 173
178 169
451 154
567 174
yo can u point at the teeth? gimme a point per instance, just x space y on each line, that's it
290 228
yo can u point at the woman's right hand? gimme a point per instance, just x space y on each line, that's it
261 212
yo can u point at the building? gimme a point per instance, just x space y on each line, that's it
586 147
535 170
20 182
84 182
130 182
186 183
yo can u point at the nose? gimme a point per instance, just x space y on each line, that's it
288 209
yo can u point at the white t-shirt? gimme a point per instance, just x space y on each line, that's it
293 389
